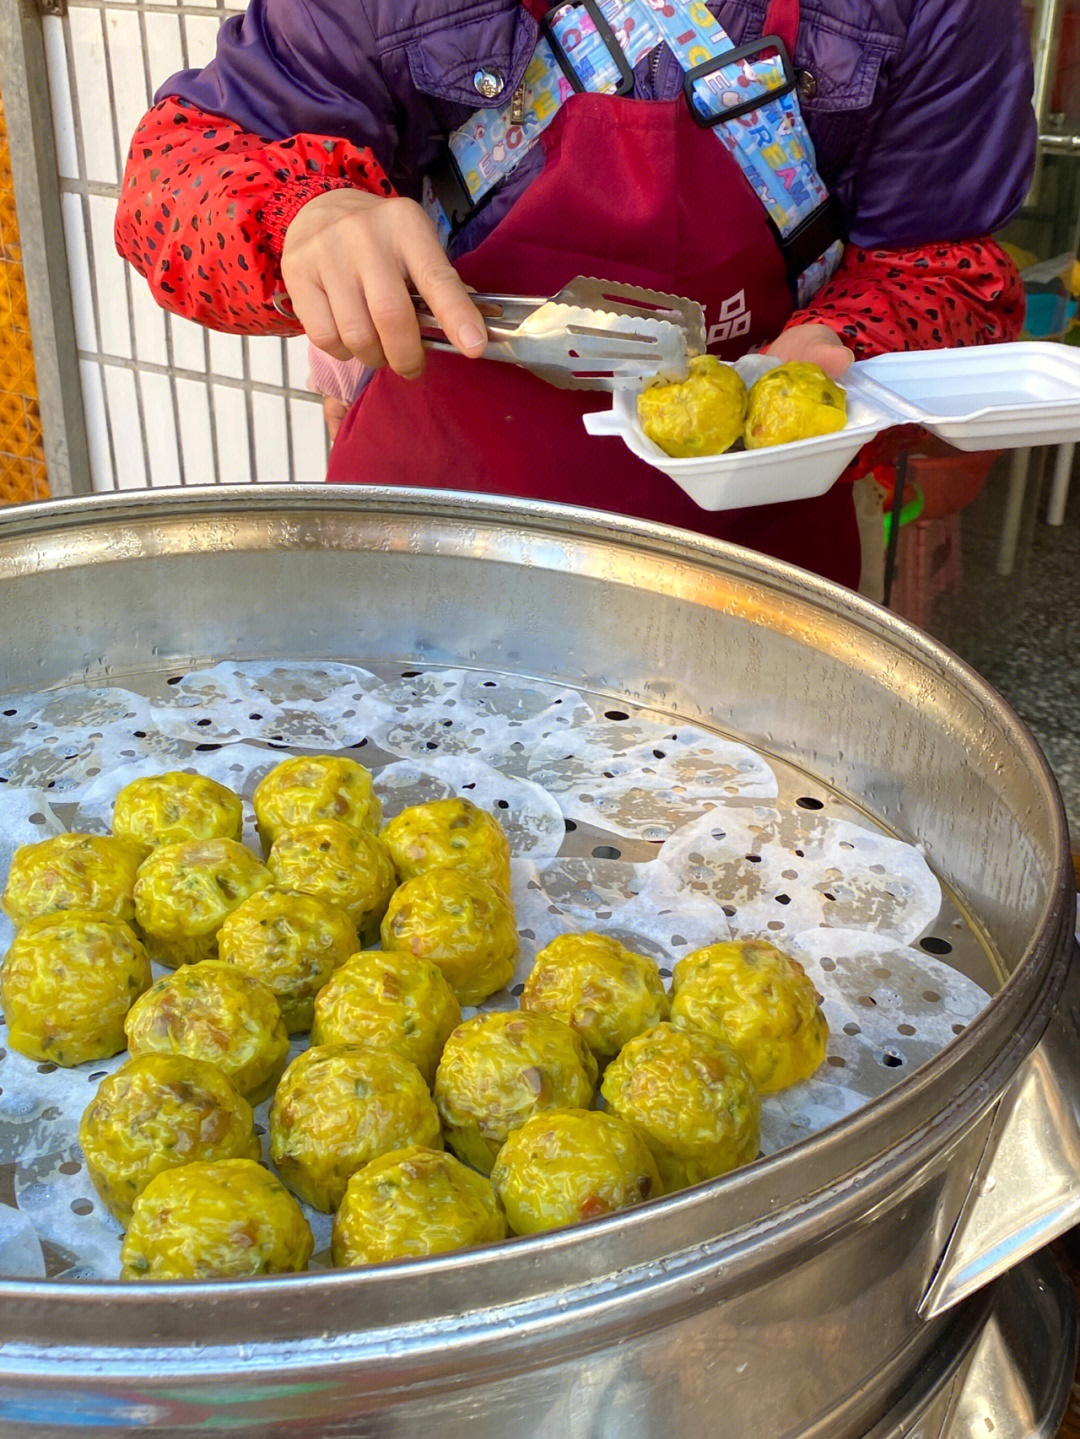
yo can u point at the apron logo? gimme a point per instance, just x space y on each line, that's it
734 320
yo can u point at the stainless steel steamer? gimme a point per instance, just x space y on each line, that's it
840 1288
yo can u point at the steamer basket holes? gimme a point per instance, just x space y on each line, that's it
933 945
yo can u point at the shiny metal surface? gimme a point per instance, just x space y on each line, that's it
1004 1368
1024 1191
655 1321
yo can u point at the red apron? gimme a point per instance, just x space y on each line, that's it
632 191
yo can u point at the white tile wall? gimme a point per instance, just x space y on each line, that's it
75 233
233 436
63 116
97 432
125 424
162 442
167 402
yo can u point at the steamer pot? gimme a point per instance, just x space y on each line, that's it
801 1296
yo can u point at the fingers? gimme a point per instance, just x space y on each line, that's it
833 359
312 308
350 262
815 344
449 302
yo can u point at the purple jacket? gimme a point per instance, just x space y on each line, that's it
920 110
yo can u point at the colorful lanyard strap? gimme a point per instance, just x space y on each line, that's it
744 94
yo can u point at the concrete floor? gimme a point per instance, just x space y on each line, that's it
1021 630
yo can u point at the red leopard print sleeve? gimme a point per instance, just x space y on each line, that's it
204 207
930 298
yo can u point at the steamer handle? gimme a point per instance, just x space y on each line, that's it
1018 1377
1026 1190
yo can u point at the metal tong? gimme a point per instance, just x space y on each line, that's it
592 335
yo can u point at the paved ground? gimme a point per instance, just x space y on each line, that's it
1020 631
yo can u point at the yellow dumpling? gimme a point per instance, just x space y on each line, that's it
158 1111
461 922
67 984
414 1202
498 1070
214 1012
93 873
601 988
312 788
173 807
293 942
449 834
701 415
691 1099
346 867
225 1219
760 1001
391 998
338 1107
794 401
183 893
569 1165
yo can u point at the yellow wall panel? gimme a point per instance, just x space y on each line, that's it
22 456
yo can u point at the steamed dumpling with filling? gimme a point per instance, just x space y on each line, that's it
701 415
497 1070
691 1098
794 401
176 806
461 922
311 788
214 1012
93 873
338 1107
568 1165
156 1112
413 1202
293 942
185 891
449 834
604 990
760 1001
224 1219
67 984
347 867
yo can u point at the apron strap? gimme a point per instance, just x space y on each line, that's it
782 19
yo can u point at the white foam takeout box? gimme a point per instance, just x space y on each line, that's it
986 397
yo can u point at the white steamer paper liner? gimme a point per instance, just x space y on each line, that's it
779 872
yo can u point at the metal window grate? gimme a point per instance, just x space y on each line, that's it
166 402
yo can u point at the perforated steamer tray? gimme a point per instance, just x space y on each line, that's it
985 397
665 834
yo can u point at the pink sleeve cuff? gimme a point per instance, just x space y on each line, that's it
336 379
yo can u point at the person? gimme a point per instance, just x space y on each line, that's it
334 158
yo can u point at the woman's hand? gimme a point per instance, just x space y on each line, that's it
816 344
349 261
334 412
